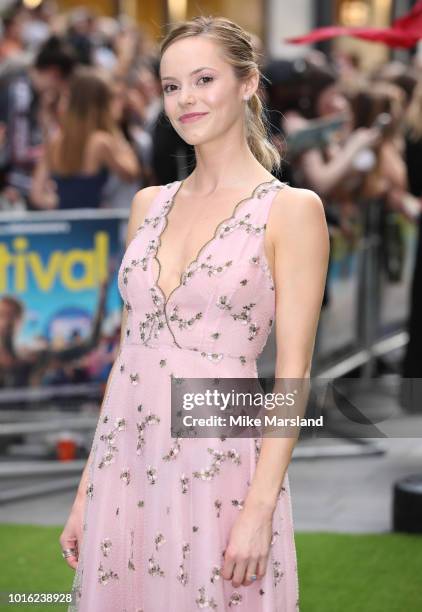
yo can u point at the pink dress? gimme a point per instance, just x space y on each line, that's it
159 510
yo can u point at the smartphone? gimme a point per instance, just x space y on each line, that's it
316 134
382 122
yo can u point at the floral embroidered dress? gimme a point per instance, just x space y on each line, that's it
159 510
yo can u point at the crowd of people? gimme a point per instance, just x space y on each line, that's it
82 124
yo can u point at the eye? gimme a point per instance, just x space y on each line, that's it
165 88
206 77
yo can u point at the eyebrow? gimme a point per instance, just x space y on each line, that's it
165 78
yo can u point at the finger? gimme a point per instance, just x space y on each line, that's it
252 569
239 572
71 560
262 566
228 567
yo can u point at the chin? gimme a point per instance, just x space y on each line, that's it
195 139
192 139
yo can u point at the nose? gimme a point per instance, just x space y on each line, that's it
186 96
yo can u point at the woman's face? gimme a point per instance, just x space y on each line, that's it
196 79
148 84
332 101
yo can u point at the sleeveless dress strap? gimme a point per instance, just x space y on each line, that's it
266 197
159 205
259 218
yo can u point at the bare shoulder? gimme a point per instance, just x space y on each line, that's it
296 201
139 209
99 140
52 145
296 209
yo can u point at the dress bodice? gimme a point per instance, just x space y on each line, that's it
224 305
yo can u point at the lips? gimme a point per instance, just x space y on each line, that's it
191 117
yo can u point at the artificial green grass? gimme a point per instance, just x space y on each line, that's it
359 572
337 572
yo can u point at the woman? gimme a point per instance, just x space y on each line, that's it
330 168
412 361
86 148
118 192
303 91
173 523
386 176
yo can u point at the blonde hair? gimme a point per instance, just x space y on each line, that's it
413 117
241 54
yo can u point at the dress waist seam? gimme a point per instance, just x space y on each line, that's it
210 355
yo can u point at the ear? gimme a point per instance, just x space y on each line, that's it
250 85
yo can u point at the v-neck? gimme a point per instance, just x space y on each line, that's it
155 282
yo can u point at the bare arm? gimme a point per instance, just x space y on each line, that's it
42 194
325 176
125 45
393 167
114 151
301 248
138 210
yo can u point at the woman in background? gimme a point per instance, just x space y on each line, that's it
412 362
86 148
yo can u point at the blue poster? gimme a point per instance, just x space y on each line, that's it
60 308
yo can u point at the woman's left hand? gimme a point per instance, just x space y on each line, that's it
248 547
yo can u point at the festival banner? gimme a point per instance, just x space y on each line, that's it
60 308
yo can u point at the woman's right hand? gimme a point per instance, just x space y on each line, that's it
364 138
72 534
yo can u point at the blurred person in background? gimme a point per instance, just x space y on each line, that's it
39 25
315 93
347 65
103 54
412 362
118 191
388 183
302 90
145 106
386 177
80 33
399 74
13 22
28 98
86 148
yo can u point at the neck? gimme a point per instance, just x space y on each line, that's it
224 163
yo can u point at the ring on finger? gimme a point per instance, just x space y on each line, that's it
68 552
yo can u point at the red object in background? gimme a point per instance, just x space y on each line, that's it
66 448
405 32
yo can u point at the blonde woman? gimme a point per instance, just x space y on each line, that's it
165 524
85 149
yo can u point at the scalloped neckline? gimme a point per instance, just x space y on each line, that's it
186 269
